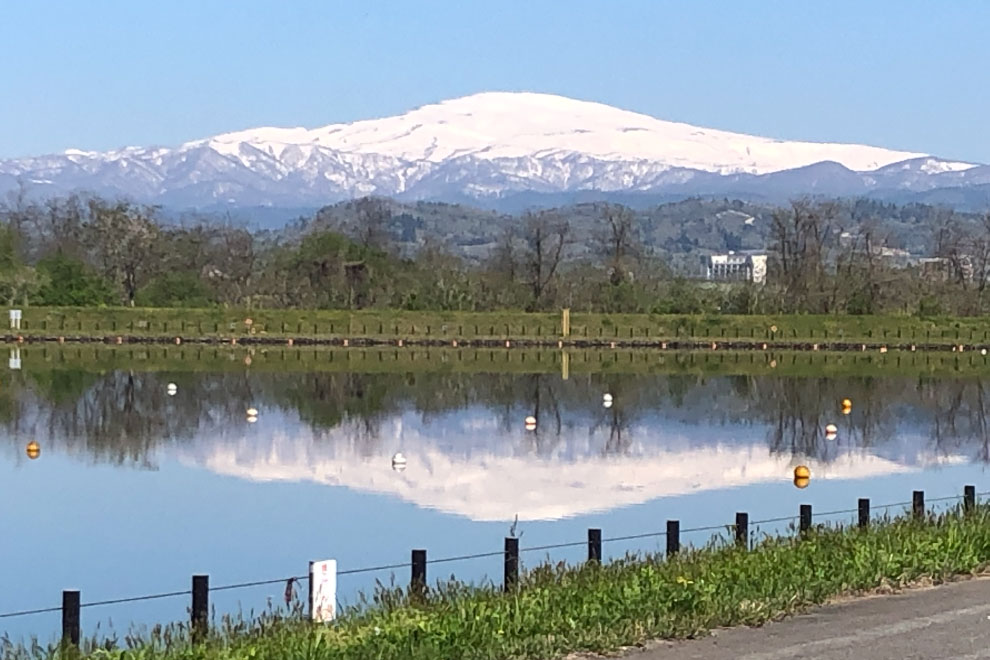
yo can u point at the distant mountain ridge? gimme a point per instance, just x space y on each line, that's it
488 147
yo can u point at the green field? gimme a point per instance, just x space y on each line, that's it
556 610
447 326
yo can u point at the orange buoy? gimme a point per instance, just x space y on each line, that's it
802 472
33 450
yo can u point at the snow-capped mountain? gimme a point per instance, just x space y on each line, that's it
483 146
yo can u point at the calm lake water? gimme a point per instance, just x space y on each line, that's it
135 490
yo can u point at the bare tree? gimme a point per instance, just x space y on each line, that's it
545 234
802 237
617 241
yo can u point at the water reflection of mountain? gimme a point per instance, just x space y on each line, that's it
463 432
467 465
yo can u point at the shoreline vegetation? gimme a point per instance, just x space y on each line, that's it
506 329
557 609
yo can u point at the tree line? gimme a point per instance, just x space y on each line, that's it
84 250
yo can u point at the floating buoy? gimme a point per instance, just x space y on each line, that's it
172 389
802 472
398 462
983 352
607 404
831 429
530 421
252 419
33 450
252 412
883 349
801 482
606 397
847 403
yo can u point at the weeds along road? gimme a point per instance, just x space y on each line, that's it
948 621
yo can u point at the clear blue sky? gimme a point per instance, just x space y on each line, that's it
97 74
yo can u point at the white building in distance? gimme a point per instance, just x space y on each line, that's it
735 267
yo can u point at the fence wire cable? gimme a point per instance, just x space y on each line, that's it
480 555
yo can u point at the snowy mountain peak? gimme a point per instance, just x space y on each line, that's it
486 145
494 125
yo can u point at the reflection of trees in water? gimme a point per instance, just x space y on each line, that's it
123 416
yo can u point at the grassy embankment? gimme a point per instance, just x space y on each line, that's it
570 362
468 326
557 610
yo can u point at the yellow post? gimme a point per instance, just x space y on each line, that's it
565 365
565 322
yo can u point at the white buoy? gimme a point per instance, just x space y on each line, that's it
398 462
831 429
607 403
252 419
607 397
983 352
530 421
172 389
252 412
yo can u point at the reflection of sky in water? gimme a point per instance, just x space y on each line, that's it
244 502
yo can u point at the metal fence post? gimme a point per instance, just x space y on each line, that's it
595 545
70 617
673 537
417 581
864 512
742 530
511 575
200 606
805 518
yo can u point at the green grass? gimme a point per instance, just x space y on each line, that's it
560 609
378 324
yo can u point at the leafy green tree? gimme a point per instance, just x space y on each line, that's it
174 290
69 282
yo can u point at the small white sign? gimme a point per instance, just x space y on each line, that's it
323 590
15 319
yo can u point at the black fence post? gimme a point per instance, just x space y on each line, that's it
595 545
918 504
310 600
864 512
511 577
417 582
969 499
200 606
742 530
70 617
805 517
673 537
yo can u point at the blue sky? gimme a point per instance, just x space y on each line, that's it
102 74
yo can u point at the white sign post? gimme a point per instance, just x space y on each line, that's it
15 319
323 590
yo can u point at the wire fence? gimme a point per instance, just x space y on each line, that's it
969 497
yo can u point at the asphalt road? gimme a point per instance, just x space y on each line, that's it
949 621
